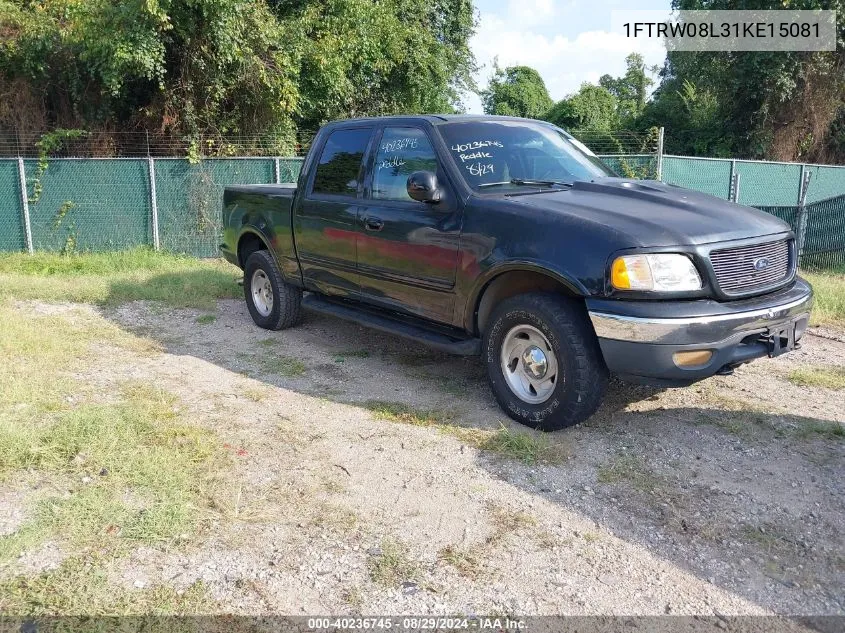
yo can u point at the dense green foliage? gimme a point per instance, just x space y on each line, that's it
227 67
591 108
775 105
516 91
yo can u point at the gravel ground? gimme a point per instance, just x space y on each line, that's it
717 499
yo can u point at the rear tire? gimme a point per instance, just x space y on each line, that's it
273 303
543 361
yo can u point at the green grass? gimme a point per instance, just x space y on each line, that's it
128 472
110 473
827 377
118 277
80 587
205 319
467 561
527 447
391 564
401 412
829 290
628 469
274 363
826 429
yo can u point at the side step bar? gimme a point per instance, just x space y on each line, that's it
384 323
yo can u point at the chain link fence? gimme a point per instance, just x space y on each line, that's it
77 199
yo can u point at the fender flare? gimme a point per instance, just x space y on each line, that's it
251 230
530 266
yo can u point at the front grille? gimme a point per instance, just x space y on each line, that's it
743 269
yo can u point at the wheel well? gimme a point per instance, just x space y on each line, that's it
247 245
510 284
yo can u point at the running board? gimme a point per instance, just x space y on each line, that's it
378 321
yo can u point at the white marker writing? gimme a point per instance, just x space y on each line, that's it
479 169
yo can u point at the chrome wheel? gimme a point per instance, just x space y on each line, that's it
262 293
529 364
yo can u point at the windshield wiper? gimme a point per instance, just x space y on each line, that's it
527 183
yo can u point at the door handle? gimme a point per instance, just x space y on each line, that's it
373 224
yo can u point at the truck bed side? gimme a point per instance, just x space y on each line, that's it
259 216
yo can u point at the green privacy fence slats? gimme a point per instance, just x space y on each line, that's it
104 204
825 182
824 242
768 184
90 204
705 175
12 236
190 198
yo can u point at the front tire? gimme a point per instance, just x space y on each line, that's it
543 361
273 303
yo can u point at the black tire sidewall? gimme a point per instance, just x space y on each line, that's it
533 415
259 261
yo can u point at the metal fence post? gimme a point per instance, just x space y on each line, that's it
25 205
276 172
802 210
734 186
154 202
660 152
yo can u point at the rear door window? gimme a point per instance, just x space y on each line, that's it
340 168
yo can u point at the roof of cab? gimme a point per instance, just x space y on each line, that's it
436 119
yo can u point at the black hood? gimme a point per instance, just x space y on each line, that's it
652 213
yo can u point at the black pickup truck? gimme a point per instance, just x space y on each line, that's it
507 238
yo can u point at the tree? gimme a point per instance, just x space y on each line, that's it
193 68
367 58
631 89
776 105
516 91
591 108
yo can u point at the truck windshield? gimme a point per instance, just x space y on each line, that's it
501 154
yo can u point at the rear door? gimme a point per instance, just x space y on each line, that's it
325 224
407 250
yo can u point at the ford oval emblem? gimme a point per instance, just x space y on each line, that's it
761 263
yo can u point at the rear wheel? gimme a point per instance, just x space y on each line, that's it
543 361
273 303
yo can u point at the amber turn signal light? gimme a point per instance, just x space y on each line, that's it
692 359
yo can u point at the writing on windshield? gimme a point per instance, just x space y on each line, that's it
513 153
474 154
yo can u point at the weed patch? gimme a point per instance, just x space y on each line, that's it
825 377
80 587
391 564
631 470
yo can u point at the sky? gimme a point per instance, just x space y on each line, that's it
568 41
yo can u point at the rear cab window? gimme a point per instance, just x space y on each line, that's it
340 168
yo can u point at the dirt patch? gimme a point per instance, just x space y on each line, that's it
726 498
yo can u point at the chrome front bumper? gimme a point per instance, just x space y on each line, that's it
638 346
699 329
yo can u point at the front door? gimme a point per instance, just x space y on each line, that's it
327 218
407 250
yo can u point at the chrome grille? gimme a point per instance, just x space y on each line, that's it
745 268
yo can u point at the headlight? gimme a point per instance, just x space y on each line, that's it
661 272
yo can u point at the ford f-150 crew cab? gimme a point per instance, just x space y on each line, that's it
509 239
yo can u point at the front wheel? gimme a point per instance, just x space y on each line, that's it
273 303
543 361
